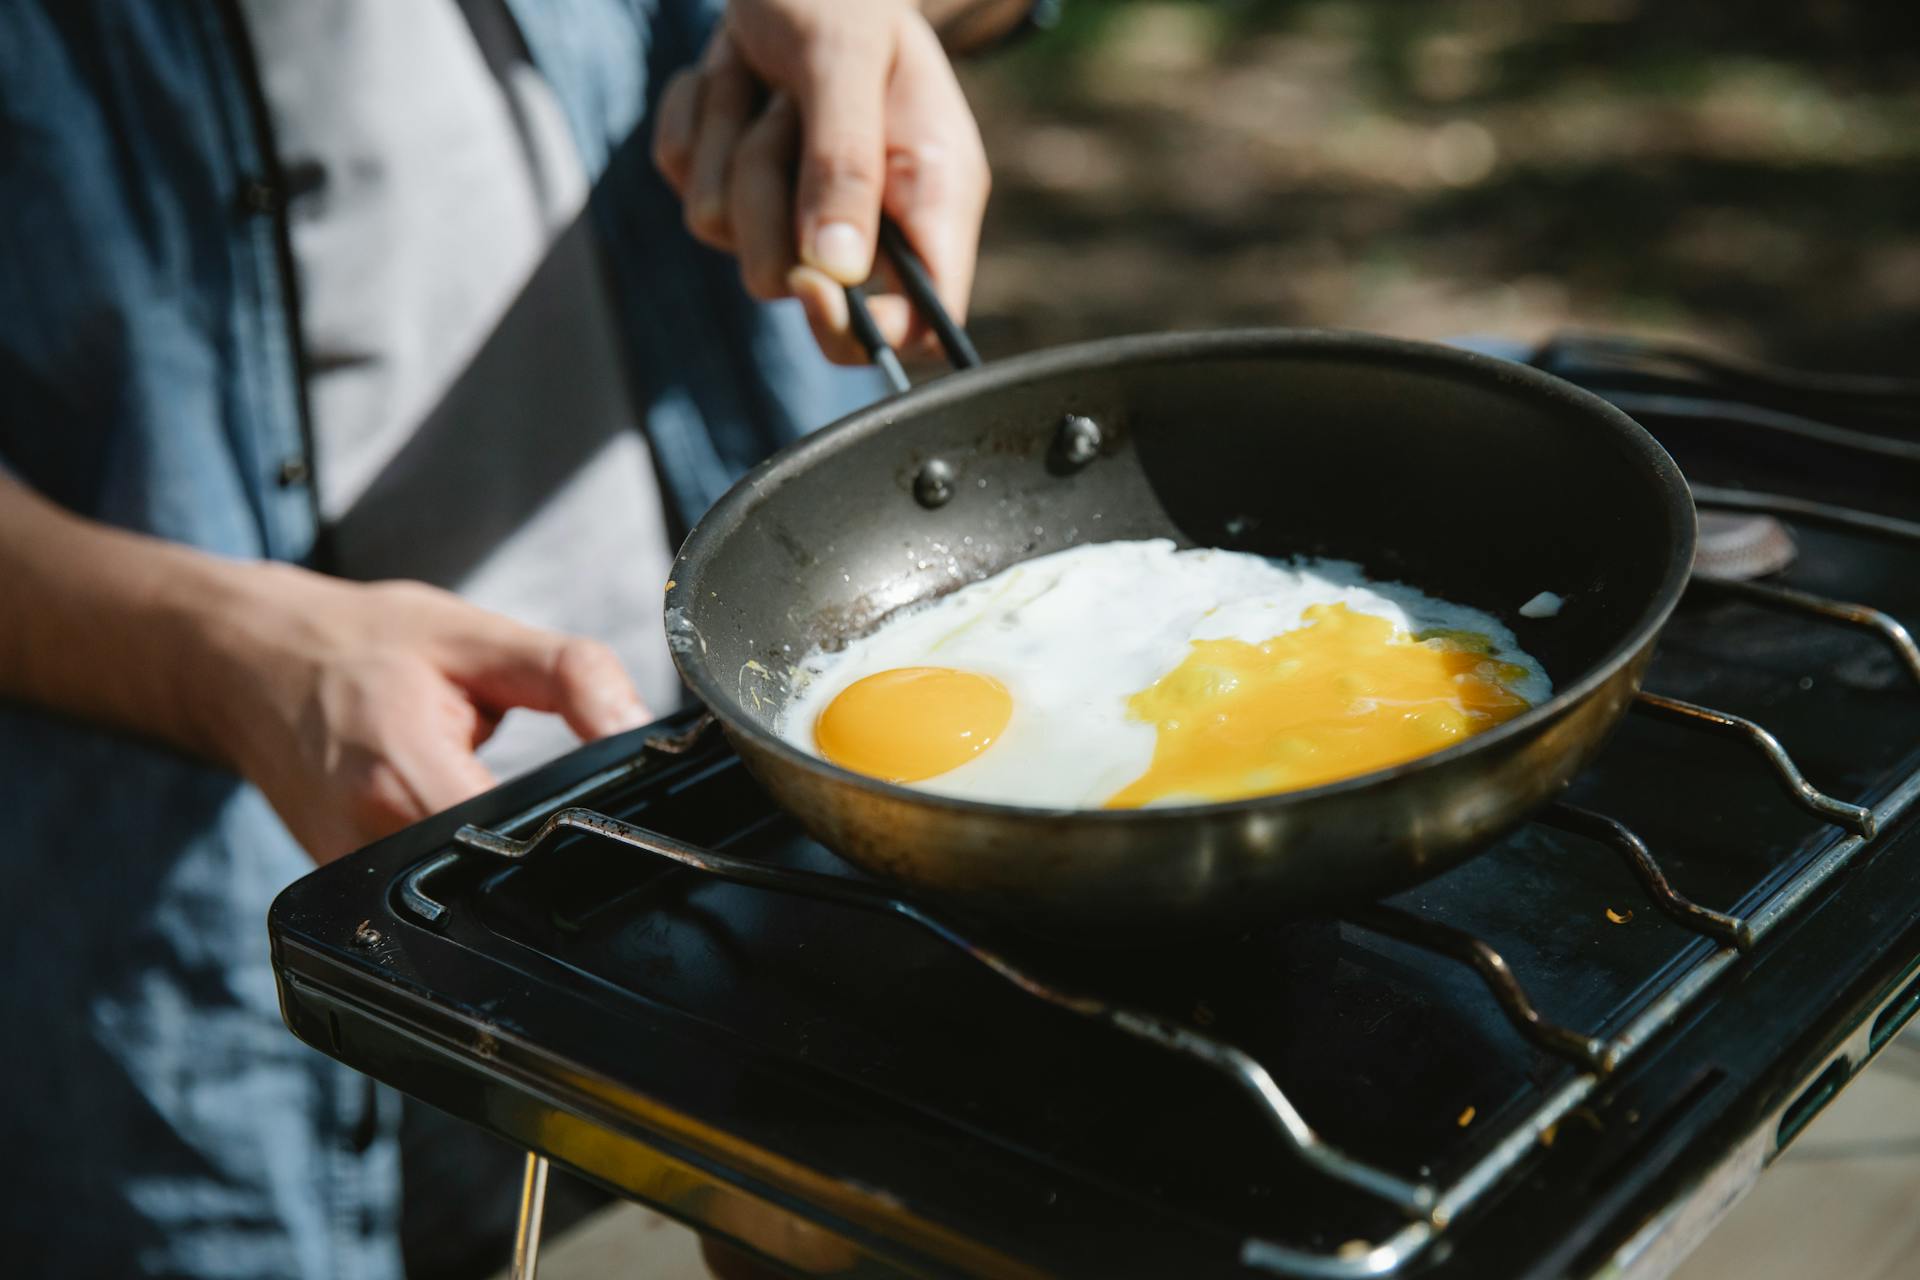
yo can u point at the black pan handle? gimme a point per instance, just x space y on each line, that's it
860 320
920 291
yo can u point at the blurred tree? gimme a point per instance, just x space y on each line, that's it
1747 174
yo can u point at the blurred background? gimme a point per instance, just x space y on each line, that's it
1746 174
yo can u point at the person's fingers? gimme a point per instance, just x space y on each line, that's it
760 199
841 92
824 300
673 131
593 690
378 801
423 775
937 174
727 95
503 664
401 734
439 773
485 721
893 315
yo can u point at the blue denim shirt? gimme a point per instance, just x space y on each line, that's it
159 1118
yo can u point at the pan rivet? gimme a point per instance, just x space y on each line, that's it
1077 442
933 487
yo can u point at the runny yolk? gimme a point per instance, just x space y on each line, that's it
912 722
1332 699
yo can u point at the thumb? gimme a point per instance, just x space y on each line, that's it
509 665
842 105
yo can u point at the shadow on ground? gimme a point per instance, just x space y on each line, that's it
1749 175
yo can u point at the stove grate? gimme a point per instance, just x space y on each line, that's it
1656 386
1429 1208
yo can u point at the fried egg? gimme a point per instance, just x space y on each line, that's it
1124 674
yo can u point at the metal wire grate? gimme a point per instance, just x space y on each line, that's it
1428 1207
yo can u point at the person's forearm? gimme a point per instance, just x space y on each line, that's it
965 25
106 625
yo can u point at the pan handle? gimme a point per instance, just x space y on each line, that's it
918 286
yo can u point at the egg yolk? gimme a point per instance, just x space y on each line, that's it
1335 698
912 722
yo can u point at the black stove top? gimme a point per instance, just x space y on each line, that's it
1569 1050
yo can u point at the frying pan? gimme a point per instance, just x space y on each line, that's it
1474 479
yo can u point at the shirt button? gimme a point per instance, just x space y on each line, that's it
259 197
293 471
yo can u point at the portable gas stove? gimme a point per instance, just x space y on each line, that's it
1567 1056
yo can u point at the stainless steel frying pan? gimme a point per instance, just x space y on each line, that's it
1476 480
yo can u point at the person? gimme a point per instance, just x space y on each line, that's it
358 368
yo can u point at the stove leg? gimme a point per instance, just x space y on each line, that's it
533 1205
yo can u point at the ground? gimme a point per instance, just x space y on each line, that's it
1743 174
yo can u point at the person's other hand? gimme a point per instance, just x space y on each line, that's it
356 708
804 120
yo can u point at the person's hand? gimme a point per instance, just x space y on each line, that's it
356 708
804 120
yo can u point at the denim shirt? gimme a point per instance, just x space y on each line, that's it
150 379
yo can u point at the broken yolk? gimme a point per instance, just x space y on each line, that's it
912 723
1333 699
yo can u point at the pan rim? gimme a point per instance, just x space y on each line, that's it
1677 509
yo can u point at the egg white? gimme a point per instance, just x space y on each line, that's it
1075 634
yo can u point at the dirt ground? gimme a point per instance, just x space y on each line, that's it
1744 174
